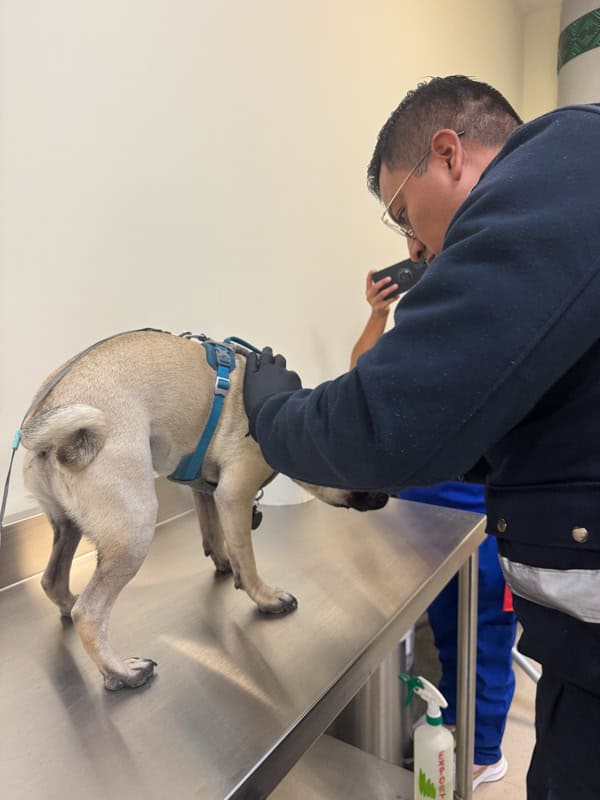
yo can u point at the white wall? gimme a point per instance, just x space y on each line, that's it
541 29
201 165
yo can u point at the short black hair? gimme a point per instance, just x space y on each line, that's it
454 102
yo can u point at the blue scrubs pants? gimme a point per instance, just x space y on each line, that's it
496 629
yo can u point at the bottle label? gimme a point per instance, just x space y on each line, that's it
442 767
426 786
434 787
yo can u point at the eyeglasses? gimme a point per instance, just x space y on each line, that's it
401 225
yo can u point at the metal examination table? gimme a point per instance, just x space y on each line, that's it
239 698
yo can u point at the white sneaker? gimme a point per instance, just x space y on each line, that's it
487 773
482 773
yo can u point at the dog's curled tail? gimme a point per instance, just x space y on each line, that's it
75 433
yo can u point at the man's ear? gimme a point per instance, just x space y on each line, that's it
447 147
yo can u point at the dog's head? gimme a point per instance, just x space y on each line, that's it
345 498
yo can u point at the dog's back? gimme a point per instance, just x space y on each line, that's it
143 383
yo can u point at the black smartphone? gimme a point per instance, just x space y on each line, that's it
405 273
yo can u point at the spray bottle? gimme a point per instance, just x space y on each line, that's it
433 744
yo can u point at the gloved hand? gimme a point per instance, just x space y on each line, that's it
266 375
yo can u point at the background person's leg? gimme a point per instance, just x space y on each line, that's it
495 628
495 637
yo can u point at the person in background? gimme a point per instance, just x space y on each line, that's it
496 628
500 383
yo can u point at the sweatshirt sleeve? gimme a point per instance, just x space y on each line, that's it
500 315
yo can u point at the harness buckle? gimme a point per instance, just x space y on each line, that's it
224 356
222 384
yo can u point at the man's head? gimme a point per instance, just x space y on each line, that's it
432 151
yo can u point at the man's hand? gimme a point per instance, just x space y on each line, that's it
266 374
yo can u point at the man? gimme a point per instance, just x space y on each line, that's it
501 379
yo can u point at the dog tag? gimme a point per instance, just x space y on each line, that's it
256 517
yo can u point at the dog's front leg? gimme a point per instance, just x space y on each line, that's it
234 506
212 535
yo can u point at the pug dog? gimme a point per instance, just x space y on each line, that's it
127 409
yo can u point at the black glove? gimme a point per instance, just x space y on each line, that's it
266 375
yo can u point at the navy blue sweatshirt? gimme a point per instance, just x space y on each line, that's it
496 352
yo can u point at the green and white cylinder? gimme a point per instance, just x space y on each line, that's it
579 52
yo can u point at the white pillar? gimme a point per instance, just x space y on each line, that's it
579 52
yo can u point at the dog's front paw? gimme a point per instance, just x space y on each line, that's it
277 602
139 671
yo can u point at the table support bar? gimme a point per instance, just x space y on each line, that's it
466 681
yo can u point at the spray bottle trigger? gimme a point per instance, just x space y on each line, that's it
412 682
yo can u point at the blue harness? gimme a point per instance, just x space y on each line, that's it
221 357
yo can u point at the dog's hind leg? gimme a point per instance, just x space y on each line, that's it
55 580
212 533
118 562
122 530
234 504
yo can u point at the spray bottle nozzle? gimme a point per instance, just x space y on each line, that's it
412 682
432 696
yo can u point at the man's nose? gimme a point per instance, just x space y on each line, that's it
416 250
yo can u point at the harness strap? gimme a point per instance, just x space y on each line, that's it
244 345
221 358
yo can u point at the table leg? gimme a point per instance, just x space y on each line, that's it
466 680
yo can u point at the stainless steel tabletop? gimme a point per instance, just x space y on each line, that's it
238 697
